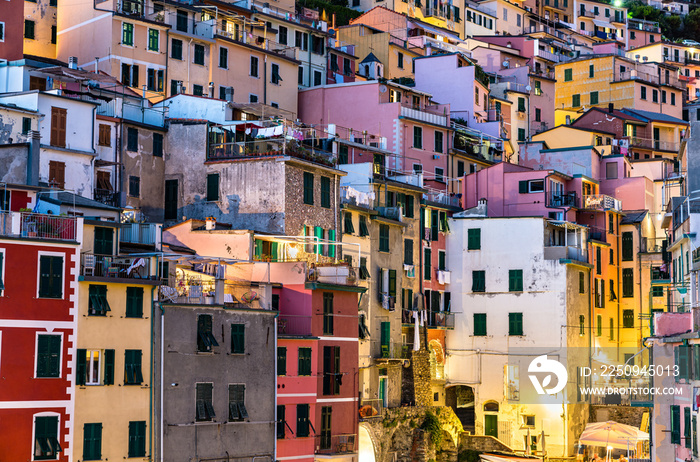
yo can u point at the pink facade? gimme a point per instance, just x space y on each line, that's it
669 324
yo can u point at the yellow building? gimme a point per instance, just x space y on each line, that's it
601 20
685 58
565 136
40 32
604 79
113 374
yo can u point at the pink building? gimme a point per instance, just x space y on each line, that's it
417 129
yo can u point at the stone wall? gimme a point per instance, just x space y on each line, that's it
481 443
622 414
421 377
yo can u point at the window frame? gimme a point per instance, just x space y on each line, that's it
54 455
515 321
209 414
63 273
59 359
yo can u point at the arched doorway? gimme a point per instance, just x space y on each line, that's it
491 418
461 399
365 446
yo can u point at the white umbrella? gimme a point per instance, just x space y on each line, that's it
611 435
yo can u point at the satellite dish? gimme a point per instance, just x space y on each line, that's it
528 88
382 88
505 63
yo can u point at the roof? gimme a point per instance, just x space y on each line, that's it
616 112
67 198
633 216
577 128
370 58
656 116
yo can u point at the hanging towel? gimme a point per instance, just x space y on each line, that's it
278 130
416 333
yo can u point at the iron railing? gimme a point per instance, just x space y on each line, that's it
567 199
335 444
115 266
601 202
139 233
42 226
107 197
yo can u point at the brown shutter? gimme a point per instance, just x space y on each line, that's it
54 131
58 127
57 174
62 127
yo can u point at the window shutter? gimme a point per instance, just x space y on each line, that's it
380 284
686 426
327 370
427 270
44 276
336 370
54 355
56 289
2 276
81 367
331 248
318 232
675 425
237 338
281 361
392 283
109 367
523 187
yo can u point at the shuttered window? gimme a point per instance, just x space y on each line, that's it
304 361
675 425
479 324
308 188
46 445
686 427
104 241
515 280
326 413
474 239
478 281
408 251
281 360
137 439
627 282
105 136
236 402
383 238
57 174
58 127
427 268
281 421
48 356
348 227
50 277
203 402
213 187
237 338
628 319
92 441
302 420
134 302
627 246
205 338
132 367
328 313
364 230
325 192
97 300
515 324
332 377
109 367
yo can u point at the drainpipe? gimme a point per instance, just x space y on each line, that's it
150 397
265 79
167 63
189 48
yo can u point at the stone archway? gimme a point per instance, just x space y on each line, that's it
367 449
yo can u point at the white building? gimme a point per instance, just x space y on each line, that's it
523 288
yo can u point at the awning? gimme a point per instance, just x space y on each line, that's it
612 434
500 458
567 225
603 24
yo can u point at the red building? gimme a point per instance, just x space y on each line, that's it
12 30
317 361
39 255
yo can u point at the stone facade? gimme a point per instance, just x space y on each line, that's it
622 414
421 377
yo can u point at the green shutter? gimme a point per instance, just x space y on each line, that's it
274 248
281 361
392 283
134 302
137 439
44 276
515 324
331 248
48 356
318 232
409 206
427 269
686 427
479 324
523 187
2 278
515 280
104 241
302 420
434 225
478 281
281 421
675 425
132 367
237 338
213 187
81 367
56 286
92 443
474 239
385 339
304 362
109 367
627 282
627 246
258 249
325 192
308 188
348 226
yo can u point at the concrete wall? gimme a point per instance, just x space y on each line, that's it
13 163
184 367
149 168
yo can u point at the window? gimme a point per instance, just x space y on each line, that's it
223 57
400 57
281 360
303 420
132 139
479 281
54 32
673 99
438 141
176 49
442 260
308 188
576 100
383 238
628 319
408 251
439 174
281 421
599 325
127 34
332 376
105 135
581 283
197 90
48 356
515 324
317 78
364 272
153 39
591 71
58 127
418 137
474 239
198 54
568 75
205 337
521 104
627 282
643 90
325 192
137 439
275 74
2 31
213 187
157 144
538 114
50 277
627 246
304 362
654 96
134 186
328 313
282 35
675 425
657 291
57 174
97 301
132 367
427 269
594 97
364 230
521 135
203 402
92 441
46 445
348 227
254 66
326 413
687 419
532 186
582 325
181 22
479 324
237 338
134 302
515 280
236 402
29 29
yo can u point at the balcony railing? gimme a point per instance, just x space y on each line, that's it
334 274
657 145
567 199
115 266
391 350
442 198
335 444
660 273
107 197
441 320
587 14
566 252
371 408
133 112
423 116
601 202
597 234
139 233
38 226
357 198
651 245
650 78
294 325
548 55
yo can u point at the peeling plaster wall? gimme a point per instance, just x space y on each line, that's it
150 169
11 126
78 169
13 163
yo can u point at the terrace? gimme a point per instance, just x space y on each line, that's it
38 226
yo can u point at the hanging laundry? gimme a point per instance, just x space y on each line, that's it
416 332
278 130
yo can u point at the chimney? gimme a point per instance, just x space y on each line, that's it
210 223
611 107
73 62
33 158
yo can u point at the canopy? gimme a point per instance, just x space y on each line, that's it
500 458
614 434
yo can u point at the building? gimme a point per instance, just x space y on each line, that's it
684 58
600 20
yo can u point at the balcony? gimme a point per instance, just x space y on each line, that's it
371 408
547 55
444 198
587 14
427 115
349 195
333 274
651 245
650 78
132 112
107 197
392 213
140 233
601 202
660 274
294 325
115 266
335 444
267 147
566 252
441 320
392 350
567 199
197 288
38 226
656 145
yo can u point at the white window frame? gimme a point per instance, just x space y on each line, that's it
3 273
256 96
63 273
36 354
88 367
2 37
148 39
529 186
58 436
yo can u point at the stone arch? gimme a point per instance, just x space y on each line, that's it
368 450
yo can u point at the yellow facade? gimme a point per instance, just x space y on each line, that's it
565 137
436 17
42 40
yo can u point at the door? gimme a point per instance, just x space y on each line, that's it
386 339
382 391
170 200
491 425
657 135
